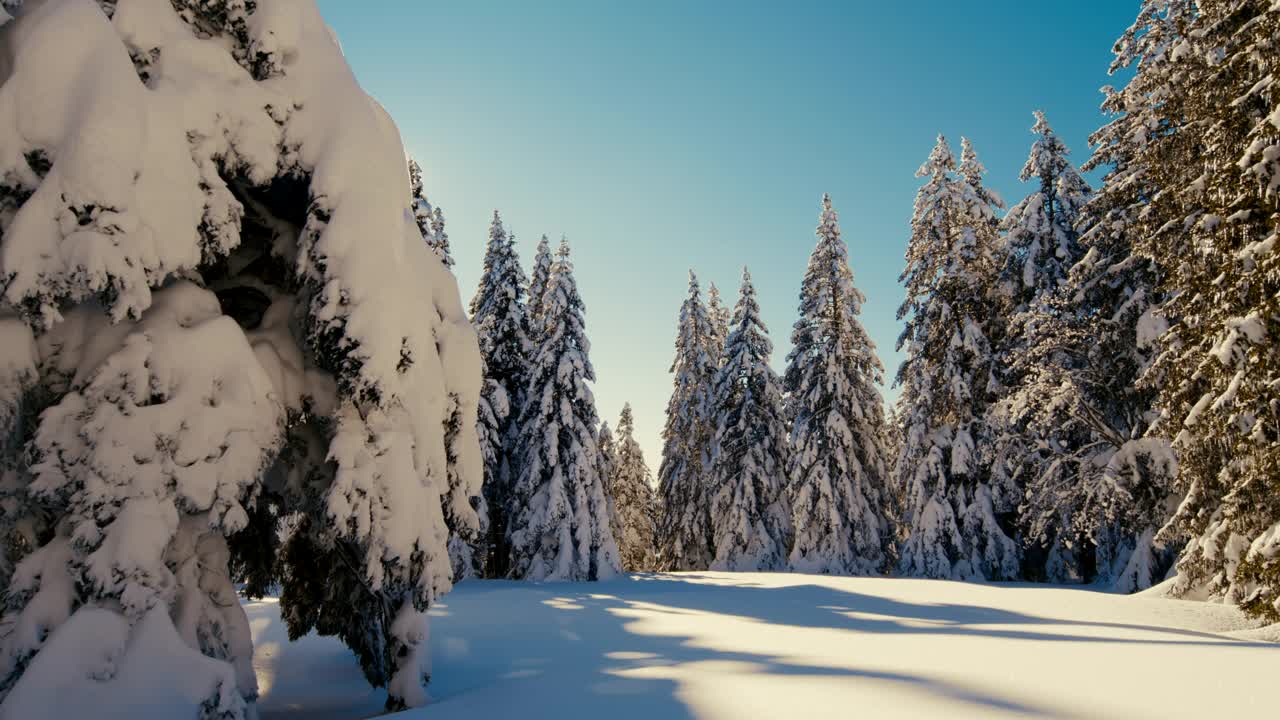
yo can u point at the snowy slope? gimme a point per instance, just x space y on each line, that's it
726 646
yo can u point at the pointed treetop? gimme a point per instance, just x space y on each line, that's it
626 423
970 166
1047 159
693 282
562 253
497 233
826 201
940 161
1042 125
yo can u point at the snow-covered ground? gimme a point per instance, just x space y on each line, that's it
721 645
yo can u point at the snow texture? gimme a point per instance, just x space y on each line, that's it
756 645
207 225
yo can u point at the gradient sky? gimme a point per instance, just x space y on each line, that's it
669 135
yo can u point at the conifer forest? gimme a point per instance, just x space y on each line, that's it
283 435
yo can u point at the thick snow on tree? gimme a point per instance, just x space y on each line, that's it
633 498
430 220
499 314
838 473
1041 244
218 315
538 280
1041 240
950 505
684 490
559 526
750 512
1200 118
1097 489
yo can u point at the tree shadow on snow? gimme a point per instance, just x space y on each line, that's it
579 652
842 609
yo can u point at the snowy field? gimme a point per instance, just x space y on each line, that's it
728 646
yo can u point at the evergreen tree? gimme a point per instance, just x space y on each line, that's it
538 287
1041 241
608 453
634 499
750 514
720 316
498 312
947 382
233 347
430 220
1041 245
838 471
559 528
1198 118
684 527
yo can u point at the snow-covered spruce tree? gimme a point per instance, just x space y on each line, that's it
430 220
499 314
750 512
684 490
216 320
538 280
633 497
838 471
1095 478
559 527
720 317
608 454
1041 245
1041 239
950 506
1203 113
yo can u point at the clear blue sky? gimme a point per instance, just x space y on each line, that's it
669 135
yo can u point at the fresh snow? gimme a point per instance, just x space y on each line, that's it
726 645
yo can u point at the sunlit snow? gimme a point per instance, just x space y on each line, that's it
728 646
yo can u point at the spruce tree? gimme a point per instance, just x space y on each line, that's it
838 472
226 350
951 507
634 499
750 513
684 526
1198 117
608 454
1041 245
538 287
720 316
430 220
559 527
498 312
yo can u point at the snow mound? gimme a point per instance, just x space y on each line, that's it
96 666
